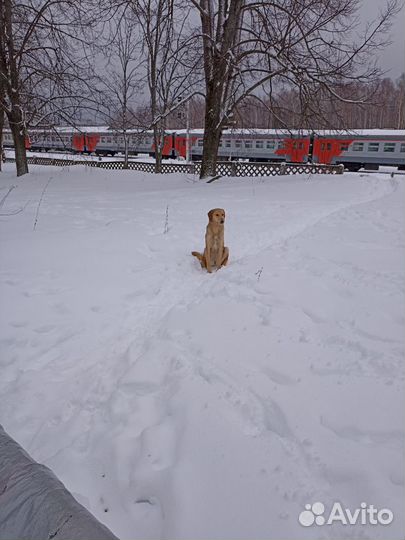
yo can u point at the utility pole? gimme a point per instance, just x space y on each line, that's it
184 111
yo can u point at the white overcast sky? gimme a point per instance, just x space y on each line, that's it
392 58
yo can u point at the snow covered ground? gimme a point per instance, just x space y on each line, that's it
178 404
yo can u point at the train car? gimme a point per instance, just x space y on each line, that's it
255 145
46 140
361 149
105 141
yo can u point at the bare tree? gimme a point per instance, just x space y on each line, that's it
309 45
121 81
384 108
170 61
11 96
2 91
44 64
400 102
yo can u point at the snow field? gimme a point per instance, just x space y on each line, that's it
177 404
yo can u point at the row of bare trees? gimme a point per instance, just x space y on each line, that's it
299 63
383 108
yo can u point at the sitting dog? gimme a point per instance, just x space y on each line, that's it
215 253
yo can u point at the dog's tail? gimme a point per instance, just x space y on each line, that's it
198 255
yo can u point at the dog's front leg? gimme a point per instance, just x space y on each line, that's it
224 258
208 259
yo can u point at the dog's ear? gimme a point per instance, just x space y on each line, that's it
210 214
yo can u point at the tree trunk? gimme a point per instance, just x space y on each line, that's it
1 137
157 138
14 114
158 161
212 132
16 125
126 166
220 40
212 137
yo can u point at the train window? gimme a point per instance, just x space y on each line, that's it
402 147
259 144
344 147
248 144
220 144
358 147
103 139
389 147
227 143
200 142
109 139
270 145
373 146
238 144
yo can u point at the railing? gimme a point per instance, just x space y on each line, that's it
224 168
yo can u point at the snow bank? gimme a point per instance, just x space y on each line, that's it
178 404
34 504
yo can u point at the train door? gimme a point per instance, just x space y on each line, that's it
295 150
78 142
180 145
91 142
327 150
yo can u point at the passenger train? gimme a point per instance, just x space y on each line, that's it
354 149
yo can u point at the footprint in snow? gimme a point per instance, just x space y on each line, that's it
44 329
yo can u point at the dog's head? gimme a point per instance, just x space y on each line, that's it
217 215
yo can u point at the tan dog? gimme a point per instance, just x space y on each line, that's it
215 253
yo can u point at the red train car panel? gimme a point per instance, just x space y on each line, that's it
295 150
325 150
180 145
85 143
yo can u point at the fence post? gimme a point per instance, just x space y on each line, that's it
234 168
